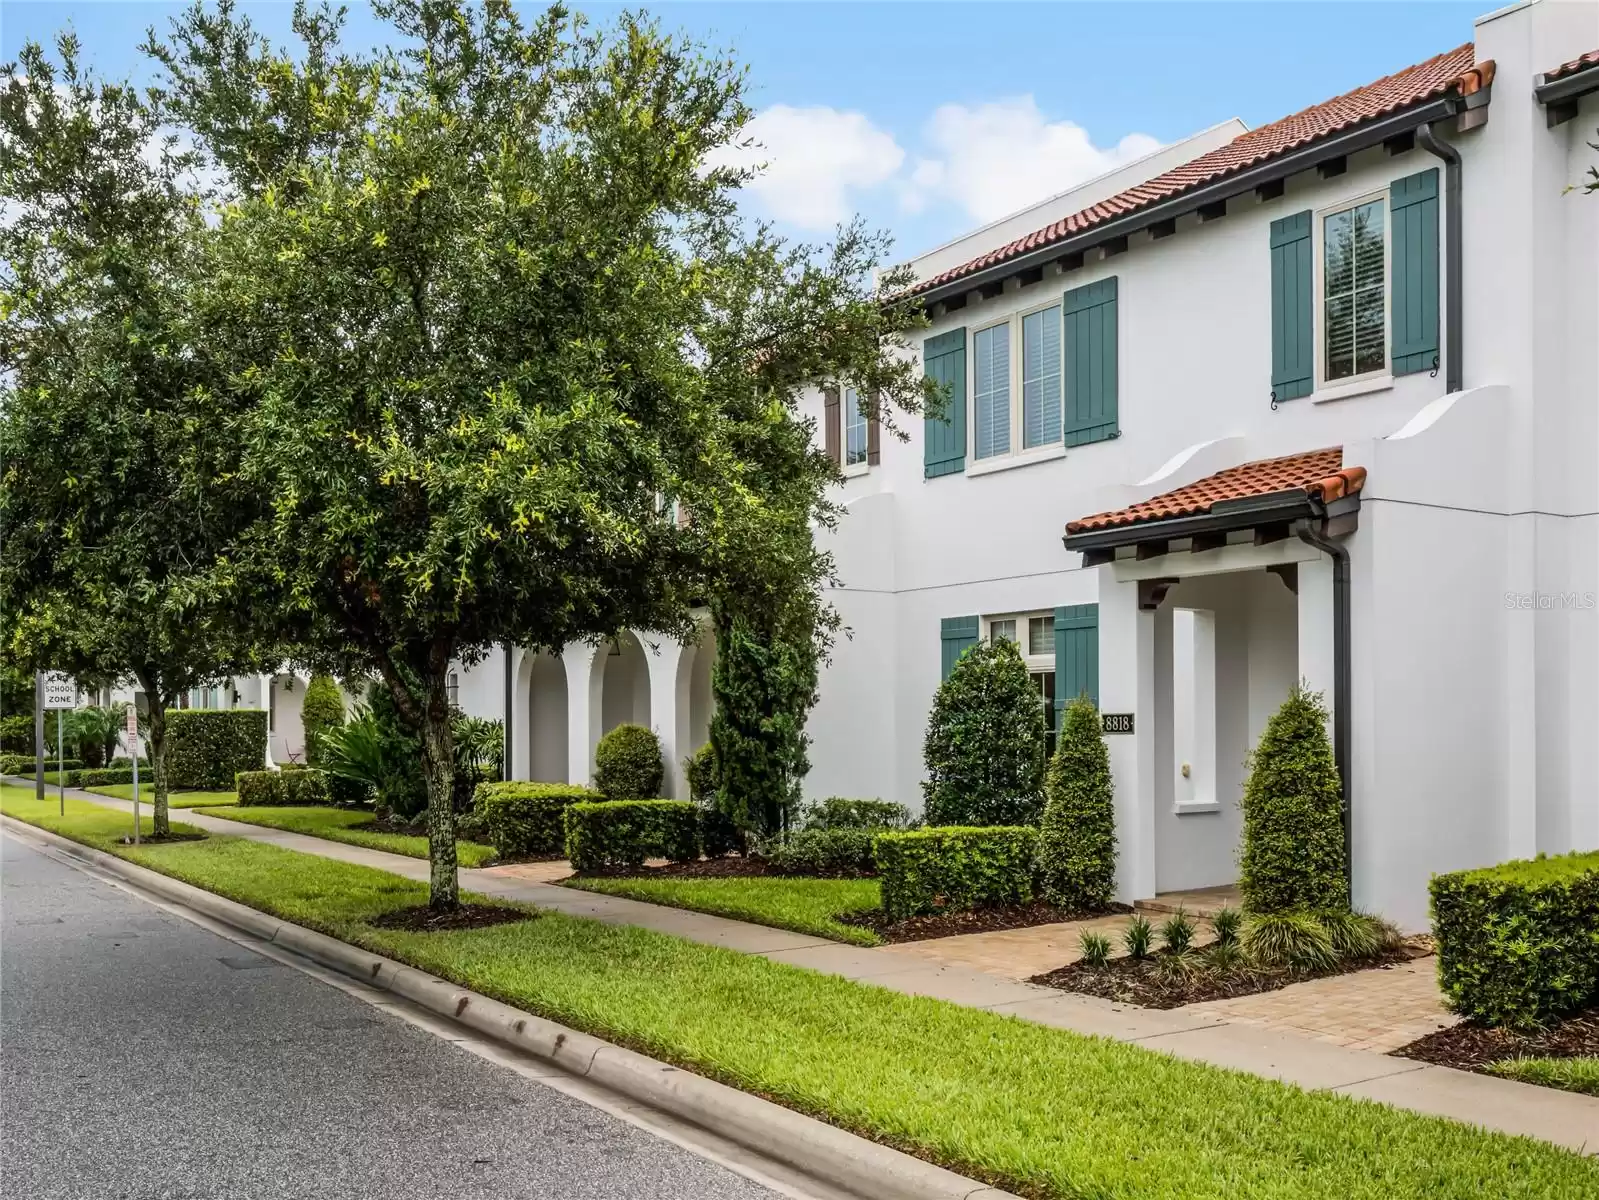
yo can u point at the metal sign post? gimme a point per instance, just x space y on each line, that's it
133 736
60 695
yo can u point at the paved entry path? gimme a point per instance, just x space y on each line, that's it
1564 1118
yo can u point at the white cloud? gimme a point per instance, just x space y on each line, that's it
997 157
816 161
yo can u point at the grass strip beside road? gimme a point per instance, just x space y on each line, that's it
802 905
85 821
1043 1111
1568 1074
124 791
345 825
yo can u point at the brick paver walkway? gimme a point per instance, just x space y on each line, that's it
1380 1009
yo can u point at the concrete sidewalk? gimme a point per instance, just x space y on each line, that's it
1564 1118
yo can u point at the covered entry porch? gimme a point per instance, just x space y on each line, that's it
1213 601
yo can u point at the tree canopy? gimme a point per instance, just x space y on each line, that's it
491 315
118 498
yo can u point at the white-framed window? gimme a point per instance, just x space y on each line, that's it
1352 289
1034 634
855 428
452 689
1017 384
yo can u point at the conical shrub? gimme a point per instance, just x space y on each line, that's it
984 749
1293 855
1077 839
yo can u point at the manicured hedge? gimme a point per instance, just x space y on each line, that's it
22 764
279 788
952 868
91 777
206 748
627 764
839 812
623 833
841 851
524 820
1518 944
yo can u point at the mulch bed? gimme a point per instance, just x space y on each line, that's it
981 920
1469 1046
1148 985
422 919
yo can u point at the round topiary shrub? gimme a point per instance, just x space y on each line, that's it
321 711
1293 855
985 742
1077 838
627 764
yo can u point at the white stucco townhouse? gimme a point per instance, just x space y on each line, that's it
1316 400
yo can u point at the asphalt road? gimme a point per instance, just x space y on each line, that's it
144 1058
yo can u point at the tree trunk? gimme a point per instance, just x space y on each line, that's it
438 764
158 763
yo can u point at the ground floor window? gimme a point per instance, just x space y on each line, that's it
1034 634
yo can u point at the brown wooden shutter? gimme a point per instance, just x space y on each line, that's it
874 433
833 425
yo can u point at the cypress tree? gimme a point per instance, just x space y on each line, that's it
1077 839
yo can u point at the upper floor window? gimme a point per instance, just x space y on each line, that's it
1354 291
1016 384
452 689
855 428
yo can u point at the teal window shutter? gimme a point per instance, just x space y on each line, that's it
1076 655
959 634
1415 272
944 438
1090 343
1293 339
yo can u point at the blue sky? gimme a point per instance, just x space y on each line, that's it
932 118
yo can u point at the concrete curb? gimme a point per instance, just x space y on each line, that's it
812 1147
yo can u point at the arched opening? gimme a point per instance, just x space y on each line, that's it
625 694
546 754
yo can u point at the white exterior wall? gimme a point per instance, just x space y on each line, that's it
1470 717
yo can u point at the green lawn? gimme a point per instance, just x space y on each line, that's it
344 825
803 905
85 821
1043 1111
124 791
1571 1074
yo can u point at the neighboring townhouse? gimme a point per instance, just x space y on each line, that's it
1317 403
1313 401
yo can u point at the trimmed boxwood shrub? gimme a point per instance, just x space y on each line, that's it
838 812
953 868
1077 837
719 836
206 748
627 764
623 833
525 820
307 787
22 764
258 788
825 852
984 749
91 777
1518 944
1293 855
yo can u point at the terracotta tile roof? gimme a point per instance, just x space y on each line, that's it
1318 473
1456 71
1585 62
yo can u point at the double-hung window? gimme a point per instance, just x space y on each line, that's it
1016 384
1354 292
855 432
1034 635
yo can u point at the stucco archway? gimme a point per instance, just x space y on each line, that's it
544 755
625 684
